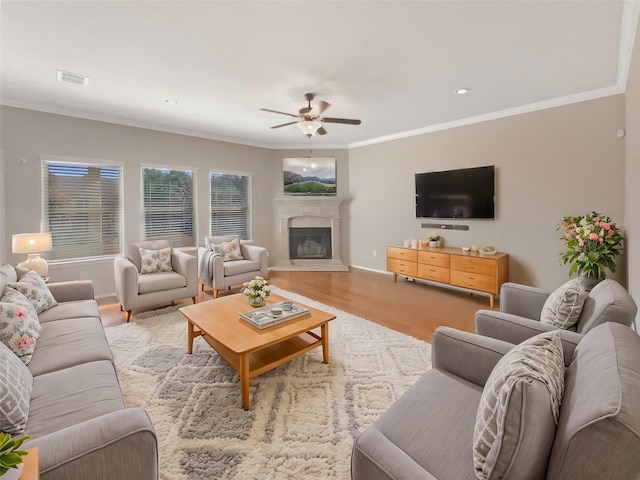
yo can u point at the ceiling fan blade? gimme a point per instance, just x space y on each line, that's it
319 108
276 111
348 121
284 125
321 131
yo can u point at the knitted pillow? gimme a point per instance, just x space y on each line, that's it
19 325
519 409
154 261
16 383
564 306
32 286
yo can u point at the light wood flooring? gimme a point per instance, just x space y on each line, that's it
413 308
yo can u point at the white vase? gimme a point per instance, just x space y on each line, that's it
13 473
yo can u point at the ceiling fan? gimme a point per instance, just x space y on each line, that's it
309 118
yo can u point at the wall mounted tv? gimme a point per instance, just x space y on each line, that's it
464 193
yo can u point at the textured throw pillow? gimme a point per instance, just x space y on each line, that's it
564 306
153 261
16 383
229 250
19 325
32 286
519 409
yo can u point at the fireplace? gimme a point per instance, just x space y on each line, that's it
309 243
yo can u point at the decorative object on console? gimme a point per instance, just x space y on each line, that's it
257 290
592 242
11 456
33 244
434 240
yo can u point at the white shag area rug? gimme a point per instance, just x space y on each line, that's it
303 417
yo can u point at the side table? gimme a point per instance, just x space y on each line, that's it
31 469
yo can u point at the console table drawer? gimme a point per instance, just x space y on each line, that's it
484 266
402 266
474 281
402 254
431 272
432 258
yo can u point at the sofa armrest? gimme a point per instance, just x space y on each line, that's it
514 329
210 268
186 265
466 355
72 290
126 280
120 444
257 254
522 300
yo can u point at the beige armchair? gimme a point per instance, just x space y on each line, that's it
135 289
218 274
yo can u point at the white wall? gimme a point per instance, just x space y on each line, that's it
632 189
549 164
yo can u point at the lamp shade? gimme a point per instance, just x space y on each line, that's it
31 242
309 127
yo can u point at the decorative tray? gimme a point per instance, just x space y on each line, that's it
263 318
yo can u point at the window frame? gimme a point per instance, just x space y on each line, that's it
249 199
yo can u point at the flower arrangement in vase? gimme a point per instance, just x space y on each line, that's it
257 290
11 456
592 242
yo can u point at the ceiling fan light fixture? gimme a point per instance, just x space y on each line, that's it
309 127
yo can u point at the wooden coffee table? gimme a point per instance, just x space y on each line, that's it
249 350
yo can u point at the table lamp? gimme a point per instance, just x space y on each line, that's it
33 244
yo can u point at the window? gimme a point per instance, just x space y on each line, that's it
82 207
230 204
167 205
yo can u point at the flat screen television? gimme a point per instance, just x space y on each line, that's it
463 193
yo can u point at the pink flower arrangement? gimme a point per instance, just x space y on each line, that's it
592 242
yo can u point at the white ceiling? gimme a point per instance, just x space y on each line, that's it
392 64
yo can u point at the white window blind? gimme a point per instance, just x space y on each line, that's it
230 204
82 207
168 206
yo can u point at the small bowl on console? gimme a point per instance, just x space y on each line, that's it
465 249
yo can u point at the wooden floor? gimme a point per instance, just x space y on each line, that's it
414 308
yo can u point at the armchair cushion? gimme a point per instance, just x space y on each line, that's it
564 306
229 250
134 250
218 239
157 282
32 286
238 267
154 261
519 409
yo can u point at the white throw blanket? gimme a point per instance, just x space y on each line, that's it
205 266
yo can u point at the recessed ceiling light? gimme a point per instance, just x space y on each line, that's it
461 91
171 101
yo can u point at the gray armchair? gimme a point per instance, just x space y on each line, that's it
218 274
521 307
137 290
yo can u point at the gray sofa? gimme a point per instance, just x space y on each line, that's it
427 433
77 416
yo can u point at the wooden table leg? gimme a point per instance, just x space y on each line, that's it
491 299
324 333
190 335
244 380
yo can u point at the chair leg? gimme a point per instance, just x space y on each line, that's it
121 309
128 315
202 287
195 299
215 293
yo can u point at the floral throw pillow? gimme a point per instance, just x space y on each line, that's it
19 324
229 250
32 286
154 261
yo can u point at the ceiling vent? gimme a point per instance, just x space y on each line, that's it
74 78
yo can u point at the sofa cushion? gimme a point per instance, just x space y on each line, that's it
32 286
238 267
7 275
217 240
414 438
66 343
16 383
154 261
134 250
156 282
563 307
519 408
608 301
599 427
19 325
73 395
73 309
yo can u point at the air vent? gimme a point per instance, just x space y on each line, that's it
74 78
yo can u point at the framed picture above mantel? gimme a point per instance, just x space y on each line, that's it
309 176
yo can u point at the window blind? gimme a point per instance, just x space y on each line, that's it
230 204
168 206
82 207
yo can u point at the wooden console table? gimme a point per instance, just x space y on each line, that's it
451 266
31 470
